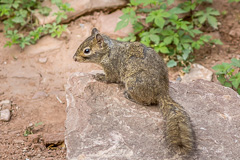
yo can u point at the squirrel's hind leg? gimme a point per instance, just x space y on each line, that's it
139 93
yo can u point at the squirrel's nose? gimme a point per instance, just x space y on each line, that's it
75 58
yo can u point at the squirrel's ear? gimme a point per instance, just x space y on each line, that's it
94 31
99 39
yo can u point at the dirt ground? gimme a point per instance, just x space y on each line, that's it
33 80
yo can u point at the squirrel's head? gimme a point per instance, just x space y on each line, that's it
92 49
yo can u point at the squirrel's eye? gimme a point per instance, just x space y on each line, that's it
87 51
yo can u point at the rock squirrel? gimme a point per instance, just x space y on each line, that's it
145 77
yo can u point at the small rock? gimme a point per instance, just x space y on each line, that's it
42 60
40 95
5 115
197 72
5 102
33 138
25 149
54 138
81 25
235 32
18 141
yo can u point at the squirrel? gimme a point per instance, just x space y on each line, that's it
145 77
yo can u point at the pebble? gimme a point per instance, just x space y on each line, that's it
42 60
5 115
5 102
18 141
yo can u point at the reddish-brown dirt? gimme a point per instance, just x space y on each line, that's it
36 88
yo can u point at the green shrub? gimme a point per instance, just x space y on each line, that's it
20 26
228 74
230 1
161 28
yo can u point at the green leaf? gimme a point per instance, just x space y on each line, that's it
56 1
154 38
159 22
170 2
230 1
211 11
161 48
238 91
171 63
45 11
227 84
186 53
208 15
223 68
19 20
235 62
217 41
235 80
186 69
177 10
212 21
221 79
123 23
168 40
145 10
197 31
149 19
175 40
202 19
164 49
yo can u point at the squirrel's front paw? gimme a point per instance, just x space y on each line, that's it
100 77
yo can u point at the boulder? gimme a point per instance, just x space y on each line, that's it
102 124
80 7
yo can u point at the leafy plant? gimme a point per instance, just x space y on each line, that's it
207 15
233 1
161 28
29 129
228 74
20 26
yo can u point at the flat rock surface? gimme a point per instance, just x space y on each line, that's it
102 124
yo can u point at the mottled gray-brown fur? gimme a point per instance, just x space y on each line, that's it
145 77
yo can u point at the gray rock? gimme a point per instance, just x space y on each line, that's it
102 125
197 72
80 7
5 115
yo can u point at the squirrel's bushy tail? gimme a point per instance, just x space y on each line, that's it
179 132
